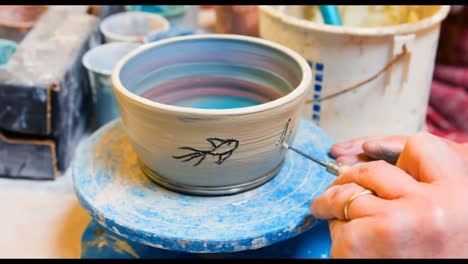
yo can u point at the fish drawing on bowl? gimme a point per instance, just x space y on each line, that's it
220 148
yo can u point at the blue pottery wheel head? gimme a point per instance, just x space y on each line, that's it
111 186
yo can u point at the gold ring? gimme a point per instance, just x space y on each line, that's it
348 202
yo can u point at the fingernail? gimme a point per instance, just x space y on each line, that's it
379 150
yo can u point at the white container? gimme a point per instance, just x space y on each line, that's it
132 26
388 90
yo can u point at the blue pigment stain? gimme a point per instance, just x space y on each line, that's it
218 102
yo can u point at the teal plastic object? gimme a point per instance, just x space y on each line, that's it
330 15
7 49
164 10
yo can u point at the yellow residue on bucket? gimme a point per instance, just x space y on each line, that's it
371 16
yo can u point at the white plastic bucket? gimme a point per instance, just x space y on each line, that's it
367 81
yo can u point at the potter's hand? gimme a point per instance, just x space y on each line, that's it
386 148
418 210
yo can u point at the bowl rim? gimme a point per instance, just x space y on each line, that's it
85 59
298 91
104 29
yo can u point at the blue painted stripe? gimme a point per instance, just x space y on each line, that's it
318 77
319 66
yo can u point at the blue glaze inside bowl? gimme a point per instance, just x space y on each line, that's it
218 102
211 73
7 49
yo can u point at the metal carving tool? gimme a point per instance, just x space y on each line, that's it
332 167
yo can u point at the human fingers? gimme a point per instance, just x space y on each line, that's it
386 148
350 147
336 232
348 160
376 147
358 239
428 158
386 180
351 160
331 203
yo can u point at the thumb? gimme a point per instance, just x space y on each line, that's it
428 158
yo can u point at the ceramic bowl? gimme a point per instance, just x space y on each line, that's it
132 26
168 34
207 114
99 62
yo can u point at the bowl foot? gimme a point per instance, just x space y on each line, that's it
208 191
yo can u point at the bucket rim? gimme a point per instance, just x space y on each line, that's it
407 28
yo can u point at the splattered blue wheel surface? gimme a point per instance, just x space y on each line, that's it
111 186
98 243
